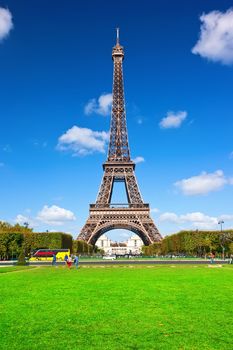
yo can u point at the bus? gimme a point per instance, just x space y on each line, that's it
47 254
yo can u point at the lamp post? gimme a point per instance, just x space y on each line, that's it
221 222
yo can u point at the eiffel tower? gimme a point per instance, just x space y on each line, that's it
104 215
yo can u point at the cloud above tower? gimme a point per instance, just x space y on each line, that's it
203 183
82 141
216 37
6 23
173 120
55 215
101 106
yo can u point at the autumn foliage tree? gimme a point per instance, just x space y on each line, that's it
193 243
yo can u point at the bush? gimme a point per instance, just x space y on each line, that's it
21 258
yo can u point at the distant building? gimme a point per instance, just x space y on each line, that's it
132 245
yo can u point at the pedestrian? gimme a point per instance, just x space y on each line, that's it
76 261
65 259
212 256
54 260
69 262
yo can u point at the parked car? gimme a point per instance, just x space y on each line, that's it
109 257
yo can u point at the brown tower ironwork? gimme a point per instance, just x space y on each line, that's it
104 215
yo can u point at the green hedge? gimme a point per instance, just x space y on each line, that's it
15 238
193 243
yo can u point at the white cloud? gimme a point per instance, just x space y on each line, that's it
195 219
138 160
226 217
154 210
55 215
22 219
216 37
173 120
101 106
231 155
90 106
6 23
83 141
203 183
200 220
169 217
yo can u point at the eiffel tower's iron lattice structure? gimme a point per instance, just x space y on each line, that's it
134 215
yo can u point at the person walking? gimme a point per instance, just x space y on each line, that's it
212 256
65 259
76 261
69 262
54 260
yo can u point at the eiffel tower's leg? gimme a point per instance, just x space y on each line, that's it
105 191
87 230
132 189
127 175
152 231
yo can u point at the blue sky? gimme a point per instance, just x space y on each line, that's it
55 86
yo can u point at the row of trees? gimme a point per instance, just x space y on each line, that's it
193 243
83 248
16 238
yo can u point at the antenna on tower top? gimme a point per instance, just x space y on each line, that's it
118 35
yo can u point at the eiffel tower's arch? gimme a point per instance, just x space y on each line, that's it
103 214
133 227
135 218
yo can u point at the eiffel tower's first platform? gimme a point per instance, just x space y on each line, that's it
104 215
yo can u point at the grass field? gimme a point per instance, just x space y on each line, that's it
6 269
122 307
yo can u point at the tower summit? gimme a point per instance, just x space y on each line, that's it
105 215
118 145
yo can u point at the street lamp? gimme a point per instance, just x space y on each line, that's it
221 222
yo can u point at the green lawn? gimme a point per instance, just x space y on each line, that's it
120 307
6 269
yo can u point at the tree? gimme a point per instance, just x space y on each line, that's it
12 237
231 248
21 258
3 246
195 243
